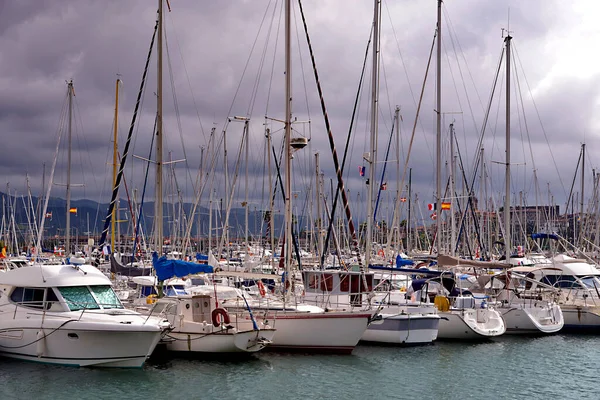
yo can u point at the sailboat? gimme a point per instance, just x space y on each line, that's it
302 327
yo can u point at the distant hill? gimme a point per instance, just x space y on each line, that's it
90 217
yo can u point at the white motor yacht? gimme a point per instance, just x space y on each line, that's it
70 315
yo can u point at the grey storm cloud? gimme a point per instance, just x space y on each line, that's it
225 59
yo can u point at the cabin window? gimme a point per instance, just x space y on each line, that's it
344 282
327 283
28 297
106 297
313 281
78 298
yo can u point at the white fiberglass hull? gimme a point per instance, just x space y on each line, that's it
218 341
471 324
76 343
581 318
331 332
403 329
533 320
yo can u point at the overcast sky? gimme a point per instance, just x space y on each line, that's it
225 59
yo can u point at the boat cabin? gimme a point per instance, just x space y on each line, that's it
337 288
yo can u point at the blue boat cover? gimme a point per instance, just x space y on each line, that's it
166 269
201 257
402 262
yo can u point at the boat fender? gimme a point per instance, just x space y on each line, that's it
41 343
261 288
219 314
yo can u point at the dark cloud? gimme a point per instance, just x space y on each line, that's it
225 59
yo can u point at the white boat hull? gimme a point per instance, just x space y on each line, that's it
581 318
74 346
224 341
470 324
533 320
404 329
331 332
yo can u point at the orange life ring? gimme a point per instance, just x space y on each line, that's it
261 288
218 314
380 253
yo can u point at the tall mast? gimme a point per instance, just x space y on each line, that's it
396 228
271 237
581 224
507 238
318 197
158 212
452 191
438 173
69 136
288 133
246 184
115 148
374 120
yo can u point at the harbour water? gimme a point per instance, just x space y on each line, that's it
560 367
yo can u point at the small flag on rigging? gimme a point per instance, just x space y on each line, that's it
431 206
49 214
73 210
433 216
384 186
445 205
403 199
361 170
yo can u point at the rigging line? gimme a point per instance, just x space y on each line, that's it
540 120
403 63
469 204
177 117
452 37
274 55
187 76
127 143
294 236
139 219
570 197
387 91
412 137
340 178
302 66
59 133
261 63
520 112
487 113
237 90
477 159
387 153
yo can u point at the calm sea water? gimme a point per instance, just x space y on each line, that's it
551 367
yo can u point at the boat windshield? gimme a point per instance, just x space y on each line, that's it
106 296
79 298
590 282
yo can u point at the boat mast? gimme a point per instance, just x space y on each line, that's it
507 238
115 148
581 224
319 220
288 148
69 136
373 146
158 211
438 173
452 191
